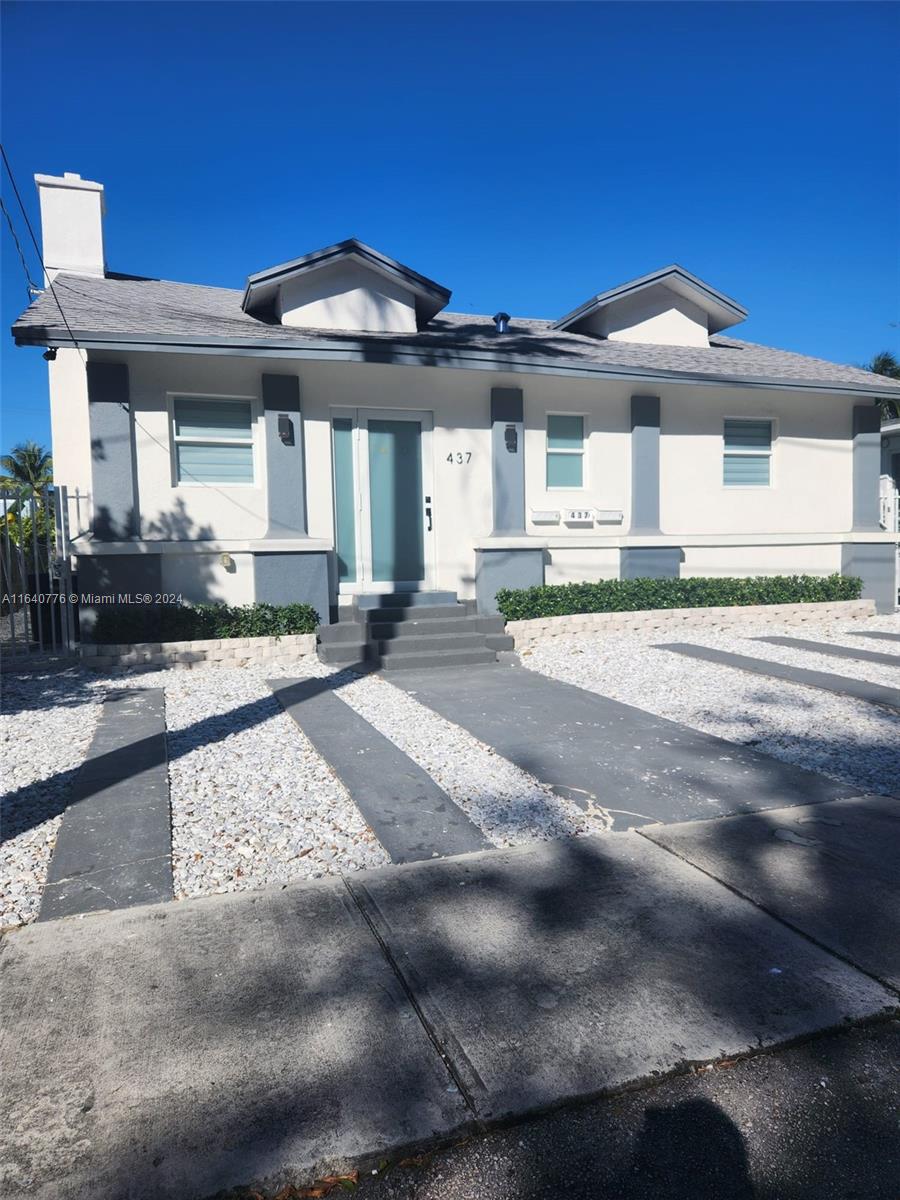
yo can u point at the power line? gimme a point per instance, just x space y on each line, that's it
30 285
37 248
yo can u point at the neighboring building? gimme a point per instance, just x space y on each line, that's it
332 430
890 480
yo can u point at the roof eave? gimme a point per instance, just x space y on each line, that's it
409 354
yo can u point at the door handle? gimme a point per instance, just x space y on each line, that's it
428 512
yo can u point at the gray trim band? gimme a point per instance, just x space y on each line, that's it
285 483
645 420
508 460
866 466
114 499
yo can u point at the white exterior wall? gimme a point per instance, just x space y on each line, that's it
191 511
347 296
655 316
811 469
795 525
70 434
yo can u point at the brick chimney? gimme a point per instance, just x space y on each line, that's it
71 225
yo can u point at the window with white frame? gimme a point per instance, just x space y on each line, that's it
748 453
213 440
565 451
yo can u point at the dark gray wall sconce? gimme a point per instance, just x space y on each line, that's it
511 437
286 430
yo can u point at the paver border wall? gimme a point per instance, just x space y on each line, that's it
664 620
209 652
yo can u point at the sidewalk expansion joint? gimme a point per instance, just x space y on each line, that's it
445 1045
770 912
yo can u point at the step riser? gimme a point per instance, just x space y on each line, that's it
404 600
377 616
418 662
343 654
394 629
391 647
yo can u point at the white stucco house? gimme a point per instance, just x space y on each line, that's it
331 430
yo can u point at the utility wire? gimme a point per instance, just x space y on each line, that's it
30 285
137 423
37 248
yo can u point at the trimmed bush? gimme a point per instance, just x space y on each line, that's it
636 595
190 623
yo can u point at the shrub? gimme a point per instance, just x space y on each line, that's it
634 595
188 623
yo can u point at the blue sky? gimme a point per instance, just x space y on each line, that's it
524 155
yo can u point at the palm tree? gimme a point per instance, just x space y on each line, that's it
28 465
886 363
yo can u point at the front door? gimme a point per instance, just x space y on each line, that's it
383 494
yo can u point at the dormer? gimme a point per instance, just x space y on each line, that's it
670 307
347 286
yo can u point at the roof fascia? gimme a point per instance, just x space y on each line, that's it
401 355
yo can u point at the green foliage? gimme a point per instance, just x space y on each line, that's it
636 595
190 623
26 464
885 363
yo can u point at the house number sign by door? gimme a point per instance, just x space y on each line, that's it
459 457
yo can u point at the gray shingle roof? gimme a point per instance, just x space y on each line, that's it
124 310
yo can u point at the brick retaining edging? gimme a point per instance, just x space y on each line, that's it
212 652
665 620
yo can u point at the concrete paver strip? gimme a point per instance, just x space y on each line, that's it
114 846
556 971
831 870
841 685
597 751
883 635
170 1051
836 651
410 815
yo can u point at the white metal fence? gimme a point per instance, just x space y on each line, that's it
37 610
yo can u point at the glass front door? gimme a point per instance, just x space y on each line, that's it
382 499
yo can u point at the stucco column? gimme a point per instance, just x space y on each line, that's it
114 501
866 466
284 456
508 460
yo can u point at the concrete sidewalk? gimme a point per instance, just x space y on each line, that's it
173 1051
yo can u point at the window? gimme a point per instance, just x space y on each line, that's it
565 452
748 454
213 440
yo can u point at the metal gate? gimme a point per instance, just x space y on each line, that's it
38 613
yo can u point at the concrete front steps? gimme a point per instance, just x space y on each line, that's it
412 630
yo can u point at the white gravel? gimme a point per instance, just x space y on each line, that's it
846 739
253 803
506 803
46 726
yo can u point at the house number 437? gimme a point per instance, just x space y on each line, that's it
459 456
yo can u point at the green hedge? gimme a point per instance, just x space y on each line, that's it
189 623
635 595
